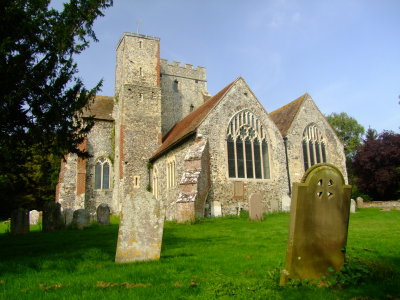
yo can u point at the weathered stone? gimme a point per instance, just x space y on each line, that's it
318 224
352 206
19 221
164 108
141 228
68 215
81 219
103 214
255 207
34 217
52 218
360 202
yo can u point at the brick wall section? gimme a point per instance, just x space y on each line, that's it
194 183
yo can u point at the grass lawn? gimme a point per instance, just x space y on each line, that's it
220 258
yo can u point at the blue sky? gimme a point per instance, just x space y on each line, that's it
344 53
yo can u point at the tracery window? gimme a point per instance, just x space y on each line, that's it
102 174
314 148
247 147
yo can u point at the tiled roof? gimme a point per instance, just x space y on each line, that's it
284 116
190 123
101 108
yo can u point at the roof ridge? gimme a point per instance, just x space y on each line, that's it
283 117
191 122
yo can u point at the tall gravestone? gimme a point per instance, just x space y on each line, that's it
255 207
52 219
103 214
34 217
19 221
141 228
318 224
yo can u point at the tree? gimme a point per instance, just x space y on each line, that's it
349 131
377 166
41 96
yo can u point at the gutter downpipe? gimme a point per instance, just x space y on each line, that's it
287 164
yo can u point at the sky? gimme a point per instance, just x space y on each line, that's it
344 53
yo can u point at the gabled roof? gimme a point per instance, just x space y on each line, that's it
283 117
101 108
188 125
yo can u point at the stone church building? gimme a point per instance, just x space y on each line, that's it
200 155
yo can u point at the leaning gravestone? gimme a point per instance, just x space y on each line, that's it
352 206
318 224
141 229
52 219
81 219
255 207
33 217
103 214
68 215
19 221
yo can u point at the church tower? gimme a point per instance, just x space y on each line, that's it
137 112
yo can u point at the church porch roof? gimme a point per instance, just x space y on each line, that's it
101 108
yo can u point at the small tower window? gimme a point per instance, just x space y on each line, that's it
175 87
191 107
140 44
141 97
141 71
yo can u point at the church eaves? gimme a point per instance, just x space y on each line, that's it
101 108
283 117
188 125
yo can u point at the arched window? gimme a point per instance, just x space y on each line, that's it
171 172
102 174
247 147
314 149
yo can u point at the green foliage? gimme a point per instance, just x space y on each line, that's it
148 187
349 131
41 96
220 258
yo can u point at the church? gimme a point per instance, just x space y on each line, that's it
200 155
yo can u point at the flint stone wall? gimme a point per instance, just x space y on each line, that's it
310 114
100 145
214 129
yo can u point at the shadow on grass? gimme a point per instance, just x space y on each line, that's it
61 249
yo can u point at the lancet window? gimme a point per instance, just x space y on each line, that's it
314 148
155 183
171 172
247 147
102 174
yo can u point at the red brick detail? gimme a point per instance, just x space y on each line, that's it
61 177
121 152
81 171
